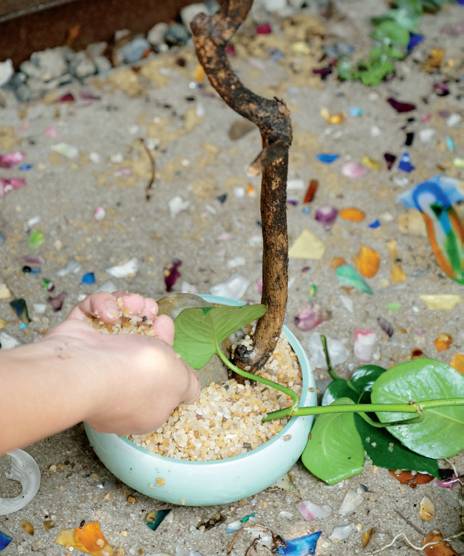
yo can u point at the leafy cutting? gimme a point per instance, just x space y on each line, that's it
200 331
406 417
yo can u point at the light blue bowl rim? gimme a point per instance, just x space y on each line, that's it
303 360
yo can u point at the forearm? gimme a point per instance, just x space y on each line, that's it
44 389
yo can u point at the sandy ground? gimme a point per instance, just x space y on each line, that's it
195 159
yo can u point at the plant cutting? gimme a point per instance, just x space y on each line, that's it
236 464
395 416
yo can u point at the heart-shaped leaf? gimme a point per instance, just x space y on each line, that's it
337 389
386 451
334 451
363 379
440 433
198 330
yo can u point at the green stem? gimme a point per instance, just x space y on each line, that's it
252 376
328 362
418 408
379 425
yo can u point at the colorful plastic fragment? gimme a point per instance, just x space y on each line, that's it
405 164
411 478
400 106
390 160
35 239
155 519
311 191
19 306
4 540
326 216
367 261
443 342
333 119
307 246
301 546
386 326
435 545
435 198
327 158
57 301
88 278
310 316
352 214
457 362
348 276
89 539
124 270
364 343
10 184
309 510
354 170
375 224
10 160
172 274
414 40
263 29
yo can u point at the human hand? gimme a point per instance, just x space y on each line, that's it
136 381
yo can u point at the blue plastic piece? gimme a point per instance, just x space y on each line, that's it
374 224
88 278
356 112
405 163
4 540
25 167
414 40
301 546
327 158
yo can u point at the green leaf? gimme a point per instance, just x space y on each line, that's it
199 329
337 389
363 379
386 451
334 451
440 434
391 33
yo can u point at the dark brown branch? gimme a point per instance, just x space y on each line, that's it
210 36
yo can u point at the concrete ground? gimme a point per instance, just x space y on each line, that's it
187 129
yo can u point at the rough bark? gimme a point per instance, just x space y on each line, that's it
210 36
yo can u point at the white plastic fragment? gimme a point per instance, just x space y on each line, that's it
68 151
177 205
108 287
71 268
295 185
337 351
32 222
128 268
7 341
100 213
364 343
311 511
426 135
94 157
233 527
353 499
25 470
341 532
347 302
39 308
285 515
6 72
235 262
4 292
235 287
453 120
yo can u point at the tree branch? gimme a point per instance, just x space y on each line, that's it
210 36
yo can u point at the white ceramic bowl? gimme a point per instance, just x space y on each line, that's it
211 482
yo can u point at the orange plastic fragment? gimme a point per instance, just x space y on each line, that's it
367 261
336 262
457 361
440 546
443 342
352 214
411 479
311 191
89 539
333 119
366 536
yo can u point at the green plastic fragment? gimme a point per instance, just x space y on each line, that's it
348 276
35 239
